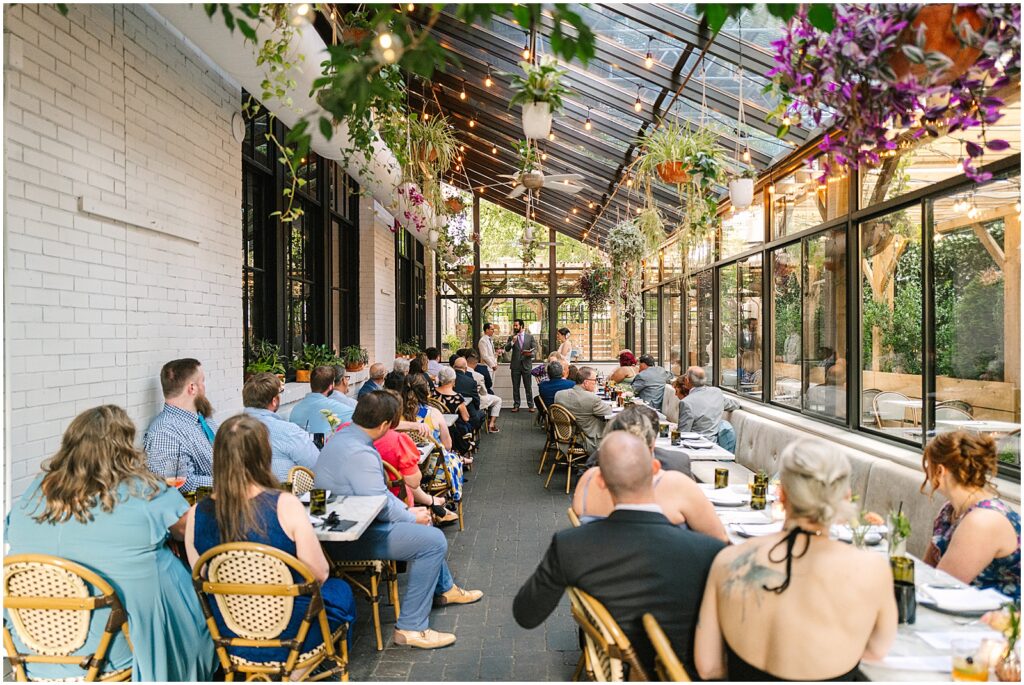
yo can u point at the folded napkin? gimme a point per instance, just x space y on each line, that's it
941 664
845 533
724 496
942 640
748 517
963 599
756 530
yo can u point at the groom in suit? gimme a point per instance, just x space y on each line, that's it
633 562
523 351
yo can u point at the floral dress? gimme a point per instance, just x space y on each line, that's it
451 460
462 432
1003 574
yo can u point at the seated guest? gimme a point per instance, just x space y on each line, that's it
976 535
626 370
701 410
680 386
573 373
98 505
416 408
418 367
349 465
556 357
586 406
433 363
375 381
247 506
474 364
680 498
796 605
633 562
307 413
488 405
649 384
340 392
462 430
183 430
401 365
556 382
290 445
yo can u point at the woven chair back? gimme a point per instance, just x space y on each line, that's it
563 423
886 409
263 614
962 405
302 480
667 665
949 412
609 656
50 602
392 477
436 404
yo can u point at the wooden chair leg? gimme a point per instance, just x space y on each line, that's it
579 667
375 606
458 506
554 465
568 476
544 456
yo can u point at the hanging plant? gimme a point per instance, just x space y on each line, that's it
595 286
741 188
539 90
885 66
627 247
432 149
651 227
675 153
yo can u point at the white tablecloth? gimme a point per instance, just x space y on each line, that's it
362 510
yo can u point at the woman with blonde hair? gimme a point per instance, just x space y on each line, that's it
246 506
976 536
797 605
97 504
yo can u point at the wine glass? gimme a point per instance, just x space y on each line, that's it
176 472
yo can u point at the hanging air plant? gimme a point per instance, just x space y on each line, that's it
627 247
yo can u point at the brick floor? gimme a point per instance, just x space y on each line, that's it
509 521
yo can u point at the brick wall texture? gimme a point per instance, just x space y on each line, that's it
106 104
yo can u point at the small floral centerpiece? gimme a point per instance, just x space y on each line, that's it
332 419
1007 622
899 532
861 525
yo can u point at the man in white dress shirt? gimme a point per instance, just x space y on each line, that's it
486 347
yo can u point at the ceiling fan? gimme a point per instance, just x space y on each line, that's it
535 180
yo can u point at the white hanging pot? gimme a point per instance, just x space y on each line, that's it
741 192
528 234
433 235
537 119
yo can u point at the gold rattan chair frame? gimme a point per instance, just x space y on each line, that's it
333 651
542 411
301 480
608 655
667 665
438 478
565 433
573 518
62 618
368 576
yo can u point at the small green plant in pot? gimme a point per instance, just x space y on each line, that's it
741 188
311 357
539 90
408 349
265 357
354 357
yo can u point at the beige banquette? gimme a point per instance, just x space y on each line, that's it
883 476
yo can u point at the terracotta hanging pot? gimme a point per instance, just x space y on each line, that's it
354 35
468 269
940 36
454 205
674 172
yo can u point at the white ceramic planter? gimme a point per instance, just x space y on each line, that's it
741 192
433 236
537 119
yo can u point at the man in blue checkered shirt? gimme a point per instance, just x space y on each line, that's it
183 432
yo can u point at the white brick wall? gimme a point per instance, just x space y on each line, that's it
108 105
376 284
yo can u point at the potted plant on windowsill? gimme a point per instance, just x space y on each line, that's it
741 188
407 350
266 358
311 357
539 90
354 357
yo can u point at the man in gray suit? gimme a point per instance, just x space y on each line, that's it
649 384
701 410
587 407
523 352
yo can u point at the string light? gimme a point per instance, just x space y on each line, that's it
298 14
481 190
543 156
472 122
586 124
494 149
575 211
786 121
462 93
649 59
462 148
388 48
488 81
638 106
426 115
590 205
410 7
551 135
525 53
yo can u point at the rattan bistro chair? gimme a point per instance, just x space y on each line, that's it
438 479
50 607
302 480
542 411
608 655
667 665
566 434
253 587
368 576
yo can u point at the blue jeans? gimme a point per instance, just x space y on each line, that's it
727 436
424 547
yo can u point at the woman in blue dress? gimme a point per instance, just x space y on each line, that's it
97 504
247 506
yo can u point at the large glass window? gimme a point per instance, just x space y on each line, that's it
976 257
672 319
574 314
744 229
704 331
651 325
824 316
749 338
801 201
257 228
727 326
304 273
891 331
787 326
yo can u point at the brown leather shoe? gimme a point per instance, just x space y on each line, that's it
532 410
457 595
515 409
424 639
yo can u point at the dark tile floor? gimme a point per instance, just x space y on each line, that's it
509 520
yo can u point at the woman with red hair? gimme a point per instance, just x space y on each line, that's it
626 370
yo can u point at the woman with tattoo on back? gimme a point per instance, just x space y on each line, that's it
796 605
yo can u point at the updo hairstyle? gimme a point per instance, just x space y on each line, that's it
970 458
816 478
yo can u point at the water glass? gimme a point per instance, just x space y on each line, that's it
970 662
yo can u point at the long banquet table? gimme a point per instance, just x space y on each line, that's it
911 658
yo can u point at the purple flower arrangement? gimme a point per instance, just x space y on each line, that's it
845 80
595 286
412 199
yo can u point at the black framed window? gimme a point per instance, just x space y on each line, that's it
410 288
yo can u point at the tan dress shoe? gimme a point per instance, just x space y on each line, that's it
457 595
424 639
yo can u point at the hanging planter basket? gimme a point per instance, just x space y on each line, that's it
674 172
741 193
940 36
537 119
354 35
468 269
454 205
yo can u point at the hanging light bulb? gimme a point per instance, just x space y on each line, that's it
481 190
746 155
488 81
590 205
387 47
586 124
525 52
462 148
426 115
786 121
629 181
575 211
551 135
638 106
649 59
543 156
299 14
494 149
472 122
960 205
973 212
566 218
462 93
410 7
771 187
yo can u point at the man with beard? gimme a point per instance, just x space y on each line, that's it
183 432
